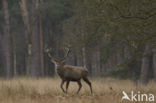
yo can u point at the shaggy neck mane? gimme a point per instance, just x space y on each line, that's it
58 66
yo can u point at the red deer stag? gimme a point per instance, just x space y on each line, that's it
69 73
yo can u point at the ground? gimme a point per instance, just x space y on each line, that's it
47 90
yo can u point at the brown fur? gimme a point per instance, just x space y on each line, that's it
70 73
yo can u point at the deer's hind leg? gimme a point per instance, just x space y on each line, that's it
62 86
88 82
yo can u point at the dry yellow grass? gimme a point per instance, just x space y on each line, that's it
26 90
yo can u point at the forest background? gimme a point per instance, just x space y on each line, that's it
115 38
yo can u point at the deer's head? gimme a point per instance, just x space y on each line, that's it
60 61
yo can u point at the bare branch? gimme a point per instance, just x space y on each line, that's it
137 17
132 17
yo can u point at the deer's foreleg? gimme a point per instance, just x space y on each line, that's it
67 84
62 86
80 85
89 83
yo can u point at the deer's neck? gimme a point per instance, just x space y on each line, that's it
59 70
58 66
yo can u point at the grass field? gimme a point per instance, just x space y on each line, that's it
26 90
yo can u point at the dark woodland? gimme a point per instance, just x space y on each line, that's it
111 38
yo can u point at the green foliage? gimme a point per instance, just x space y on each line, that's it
130 68
119 71
109 25
112 24
1 19
16 20
56 11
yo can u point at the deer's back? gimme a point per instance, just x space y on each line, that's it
73 72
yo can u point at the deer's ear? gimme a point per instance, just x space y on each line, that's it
63 61
54 60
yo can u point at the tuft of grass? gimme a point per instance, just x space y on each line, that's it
47 90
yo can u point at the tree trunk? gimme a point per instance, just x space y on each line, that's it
154 62
145 64
41 42
2 58
7 40
25 16
35 65
75 58
84 56
14 55
89 64
96 63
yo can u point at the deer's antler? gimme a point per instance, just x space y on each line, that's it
66 54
